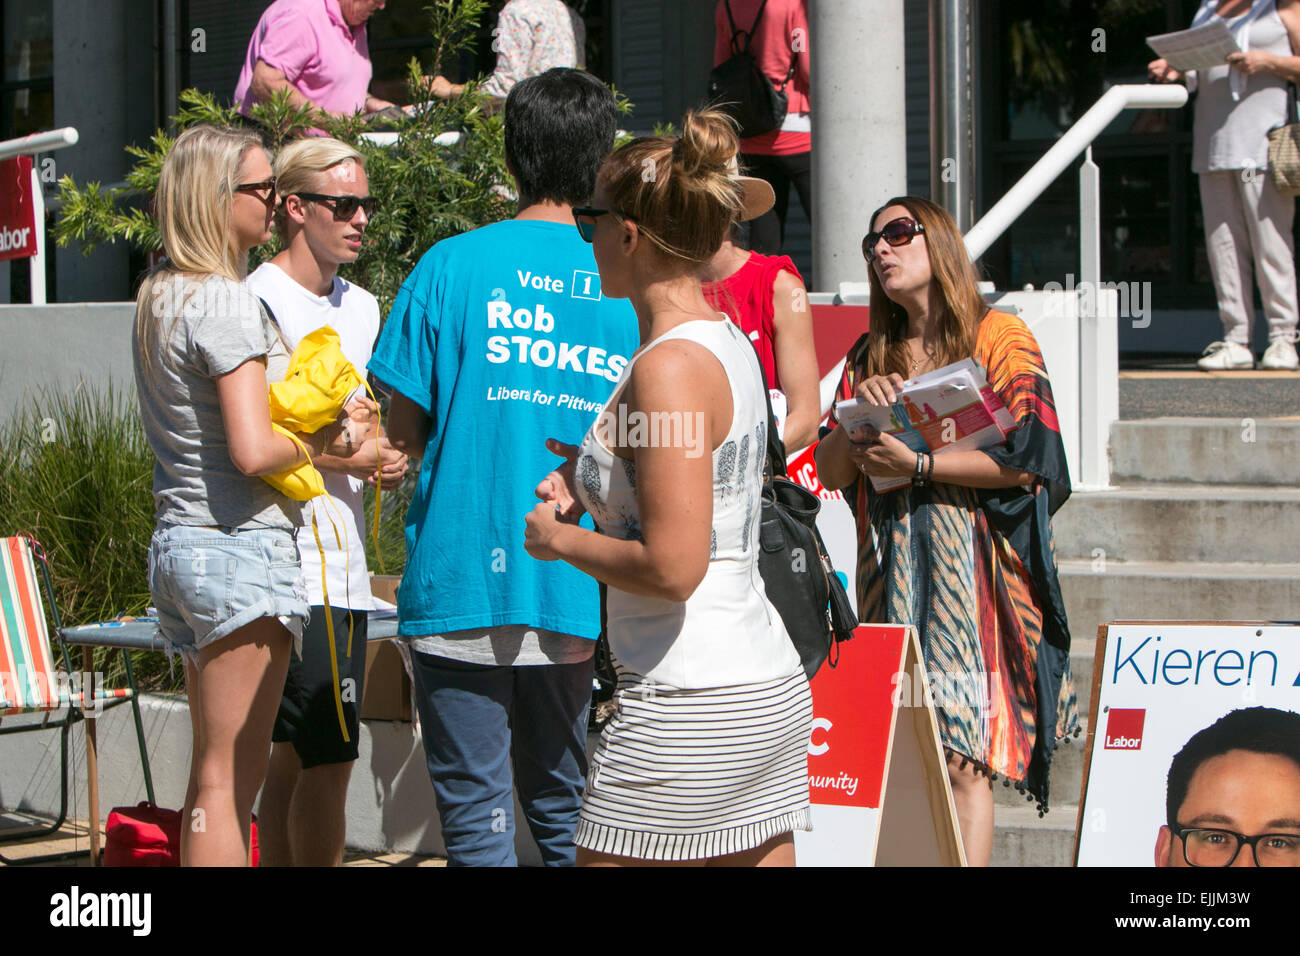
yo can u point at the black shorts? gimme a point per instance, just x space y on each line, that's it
309 716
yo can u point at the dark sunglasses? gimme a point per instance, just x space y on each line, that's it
345 207
897 232
254 188
586 216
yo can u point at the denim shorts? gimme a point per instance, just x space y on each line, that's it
208 582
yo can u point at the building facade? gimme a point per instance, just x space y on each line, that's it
112 69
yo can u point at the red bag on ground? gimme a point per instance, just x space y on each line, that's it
145 835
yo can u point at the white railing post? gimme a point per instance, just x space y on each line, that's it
1098 337
36 264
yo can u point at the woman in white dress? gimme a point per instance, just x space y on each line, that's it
705 759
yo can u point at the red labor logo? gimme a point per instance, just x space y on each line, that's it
1124 728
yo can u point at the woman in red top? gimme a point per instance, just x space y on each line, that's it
783 157
765 296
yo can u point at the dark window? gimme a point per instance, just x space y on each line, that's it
27 92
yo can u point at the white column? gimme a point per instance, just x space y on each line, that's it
859 127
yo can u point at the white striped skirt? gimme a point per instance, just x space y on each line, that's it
696 774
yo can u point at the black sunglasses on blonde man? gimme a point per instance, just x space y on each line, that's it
344 207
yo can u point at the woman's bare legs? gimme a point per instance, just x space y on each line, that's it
235 692
973 795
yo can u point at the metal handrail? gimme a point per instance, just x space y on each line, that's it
39 142
1063 152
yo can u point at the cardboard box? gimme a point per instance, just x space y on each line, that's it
387 691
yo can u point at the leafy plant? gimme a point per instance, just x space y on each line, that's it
427 188
76 473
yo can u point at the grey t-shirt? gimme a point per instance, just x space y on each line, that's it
219 327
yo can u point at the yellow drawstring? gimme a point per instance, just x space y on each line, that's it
329 625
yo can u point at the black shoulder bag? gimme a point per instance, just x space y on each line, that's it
797 572
740 89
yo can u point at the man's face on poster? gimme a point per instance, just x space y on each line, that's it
1237 794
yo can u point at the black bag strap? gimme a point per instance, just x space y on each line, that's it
749 34
777 463
1292 107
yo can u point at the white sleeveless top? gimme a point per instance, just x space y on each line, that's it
727 633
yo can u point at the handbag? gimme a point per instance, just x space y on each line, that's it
797 572
146 835
744 92
1284 149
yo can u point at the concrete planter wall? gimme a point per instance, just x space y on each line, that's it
61 346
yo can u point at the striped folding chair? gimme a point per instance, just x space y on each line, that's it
34 681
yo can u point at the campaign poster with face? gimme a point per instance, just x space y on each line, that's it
1196 747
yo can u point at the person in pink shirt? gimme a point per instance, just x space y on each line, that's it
316 49
784 156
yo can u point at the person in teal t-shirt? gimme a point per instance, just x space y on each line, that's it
498 340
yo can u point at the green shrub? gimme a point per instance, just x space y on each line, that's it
426 191
76 473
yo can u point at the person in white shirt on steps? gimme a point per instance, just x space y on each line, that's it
1247 220
324 210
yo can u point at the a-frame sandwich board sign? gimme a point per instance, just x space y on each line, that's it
877 774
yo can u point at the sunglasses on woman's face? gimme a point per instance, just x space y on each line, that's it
586 216
254 189
345 207
896 232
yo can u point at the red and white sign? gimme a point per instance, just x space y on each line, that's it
876 775
17 218
1124 728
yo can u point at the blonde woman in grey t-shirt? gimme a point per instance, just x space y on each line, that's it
1247 221
223 565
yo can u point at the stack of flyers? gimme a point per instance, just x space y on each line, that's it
952 408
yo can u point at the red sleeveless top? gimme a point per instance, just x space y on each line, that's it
746 296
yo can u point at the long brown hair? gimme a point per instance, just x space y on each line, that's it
961 307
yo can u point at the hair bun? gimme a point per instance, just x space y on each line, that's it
708 143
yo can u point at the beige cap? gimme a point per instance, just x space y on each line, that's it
756 195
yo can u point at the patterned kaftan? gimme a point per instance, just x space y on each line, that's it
975 571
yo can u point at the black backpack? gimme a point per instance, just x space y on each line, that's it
797 573
740 89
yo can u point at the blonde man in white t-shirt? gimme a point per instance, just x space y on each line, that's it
324 210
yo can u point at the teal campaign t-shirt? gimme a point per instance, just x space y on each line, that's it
503 337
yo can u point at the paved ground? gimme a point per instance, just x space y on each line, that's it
1179 389
75 836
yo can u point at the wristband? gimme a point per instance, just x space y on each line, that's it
929 474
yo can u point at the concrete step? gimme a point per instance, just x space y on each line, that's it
1066 777
1176 590
1022 838
1082 650
1230 451
1169 522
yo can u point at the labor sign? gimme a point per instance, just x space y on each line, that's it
17 220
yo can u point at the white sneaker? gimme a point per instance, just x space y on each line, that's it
1280 354
1225 356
